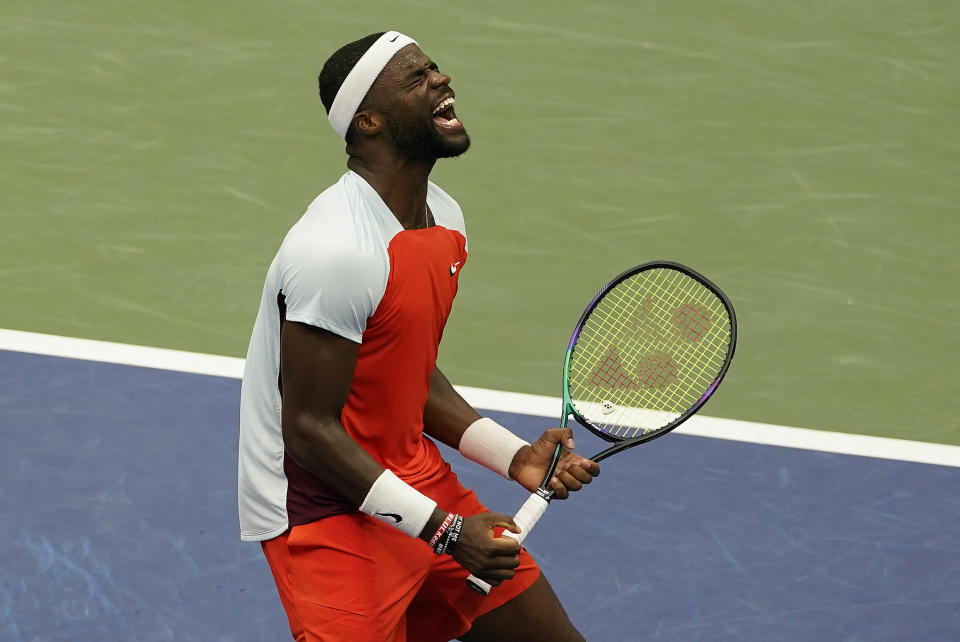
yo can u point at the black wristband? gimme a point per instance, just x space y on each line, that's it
454 535
448 542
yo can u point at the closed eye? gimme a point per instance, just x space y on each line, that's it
417 76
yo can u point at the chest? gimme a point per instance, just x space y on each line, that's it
422 282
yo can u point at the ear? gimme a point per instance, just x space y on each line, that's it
368 122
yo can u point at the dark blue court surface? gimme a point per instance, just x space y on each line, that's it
118 522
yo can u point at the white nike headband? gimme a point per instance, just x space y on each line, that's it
358 82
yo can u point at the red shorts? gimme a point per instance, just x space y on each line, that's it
352 578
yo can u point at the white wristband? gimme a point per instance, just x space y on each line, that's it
395 502
490 445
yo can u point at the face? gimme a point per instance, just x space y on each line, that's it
417 103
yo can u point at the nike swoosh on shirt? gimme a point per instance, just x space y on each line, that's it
396 518
453 268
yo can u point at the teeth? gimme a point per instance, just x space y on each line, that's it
443 105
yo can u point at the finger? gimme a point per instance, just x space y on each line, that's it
503 547
498 520
507 562
566 438
587 464
581 474
591 466
571 461
559 490
508 526
571 483
560 436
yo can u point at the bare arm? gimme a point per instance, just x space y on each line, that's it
317 371
446 415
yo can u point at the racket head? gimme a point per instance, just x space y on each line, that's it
647 353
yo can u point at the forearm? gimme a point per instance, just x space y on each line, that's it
346 468
317 371
450 418
326 451
446 414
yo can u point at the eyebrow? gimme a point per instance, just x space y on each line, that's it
413 69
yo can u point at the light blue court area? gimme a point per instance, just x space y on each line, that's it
118 522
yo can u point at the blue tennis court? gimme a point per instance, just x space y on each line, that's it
118 522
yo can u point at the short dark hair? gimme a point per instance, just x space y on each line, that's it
339 64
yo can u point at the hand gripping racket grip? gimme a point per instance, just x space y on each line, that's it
526 518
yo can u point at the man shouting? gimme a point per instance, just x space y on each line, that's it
368 532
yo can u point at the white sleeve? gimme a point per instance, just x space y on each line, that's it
330 285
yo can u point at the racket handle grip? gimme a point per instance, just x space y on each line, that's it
526 518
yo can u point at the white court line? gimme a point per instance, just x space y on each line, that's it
514 402
121 353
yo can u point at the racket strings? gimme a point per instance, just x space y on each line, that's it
650 334
649 351
717 341
671 350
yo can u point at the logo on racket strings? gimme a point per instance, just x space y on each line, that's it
655 369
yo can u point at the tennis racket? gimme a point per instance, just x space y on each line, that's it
646 354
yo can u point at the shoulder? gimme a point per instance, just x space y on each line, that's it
336 232
332 268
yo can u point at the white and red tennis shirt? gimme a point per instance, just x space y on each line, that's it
349 267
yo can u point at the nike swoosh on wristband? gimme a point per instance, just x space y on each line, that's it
396 518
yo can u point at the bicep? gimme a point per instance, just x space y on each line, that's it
316 374
316 371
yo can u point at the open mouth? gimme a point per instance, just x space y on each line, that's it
444 116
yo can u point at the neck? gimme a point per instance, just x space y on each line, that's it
402 184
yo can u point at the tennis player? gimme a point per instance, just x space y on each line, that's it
368 533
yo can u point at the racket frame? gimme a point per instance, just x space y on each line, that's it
620 444
536 504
